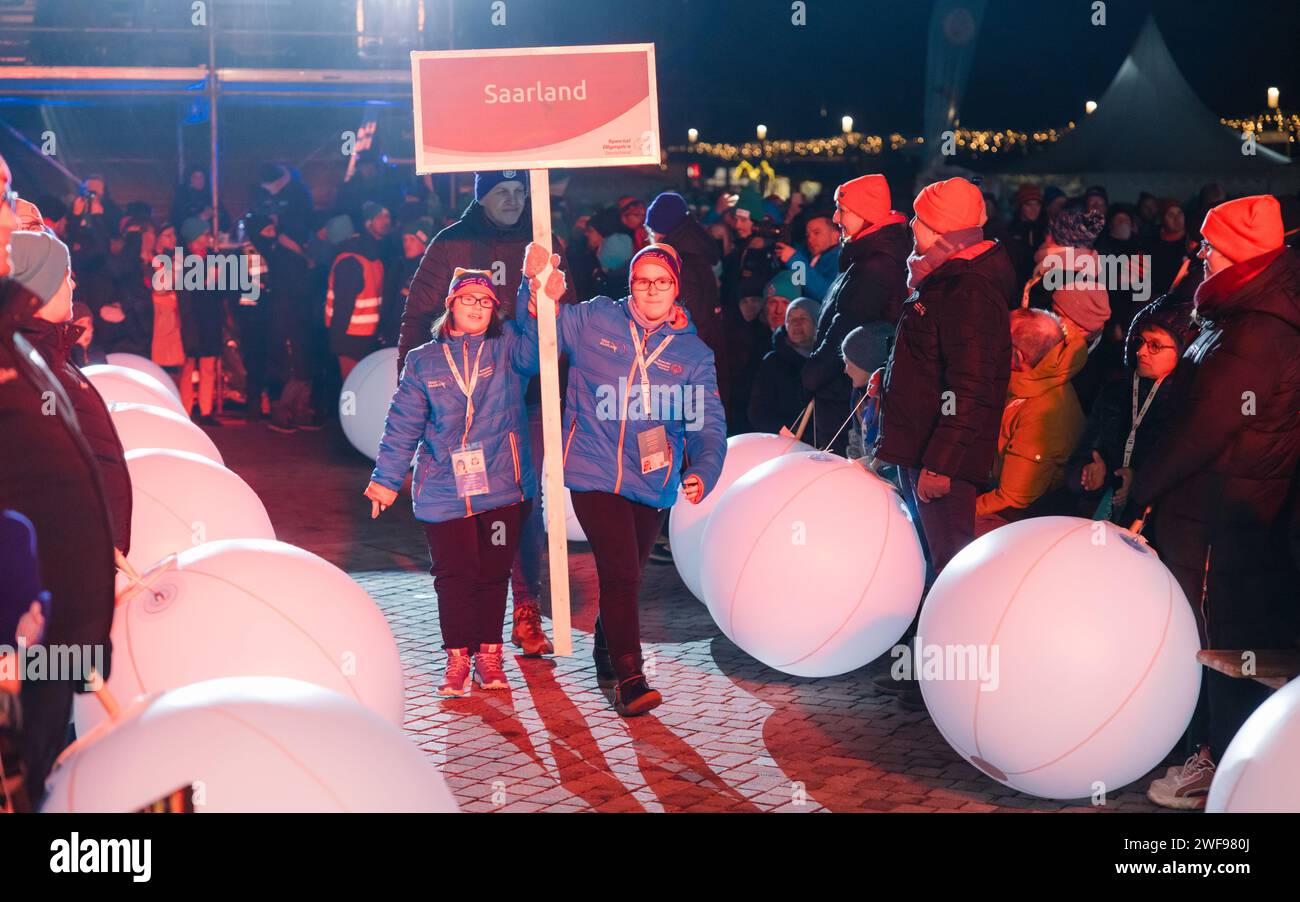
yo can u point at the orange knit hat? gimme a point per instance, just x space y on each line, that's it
866 195
950 206
1244 228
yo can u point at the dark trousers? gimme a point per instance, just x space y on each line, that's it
947 524
471 570
254 326
621 533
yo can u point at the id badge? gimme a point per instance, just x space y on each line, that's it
653 445
470 469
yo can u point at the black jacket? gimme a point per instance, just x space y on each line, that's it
1219 477
203 318
55 342
699 286
778 396
946 383
746 344
48 473
871 286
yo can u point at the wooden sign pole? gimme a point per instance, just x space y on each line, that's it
553 472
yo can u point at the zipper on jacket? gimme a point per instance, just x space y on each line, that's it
564 459
1205 596
514 452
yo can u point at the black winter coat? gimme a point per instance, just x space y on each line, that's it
48 473
946 383
55 342
871 286
778 396
1219 478
699 286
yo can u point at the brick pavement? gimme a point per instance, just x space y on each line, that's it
732 734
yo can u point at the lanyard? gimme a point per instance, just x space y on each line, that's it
467 390
1138 415
643 362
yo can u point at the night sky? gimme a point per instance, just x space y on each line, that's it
725 65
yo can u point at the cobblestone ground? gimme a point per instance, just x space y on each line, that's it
732 734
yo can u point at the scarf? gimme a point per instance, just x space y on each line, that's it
675 318
919 266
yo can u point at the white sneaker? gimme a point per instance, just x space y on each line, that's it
1185 788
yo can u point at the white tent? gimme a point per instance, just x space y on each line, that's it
1151 132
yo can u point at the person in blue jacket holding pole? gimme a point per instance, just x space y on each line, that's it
459 407
642 420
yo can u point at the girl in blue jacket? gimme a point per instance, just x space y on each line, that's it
642 419
459 408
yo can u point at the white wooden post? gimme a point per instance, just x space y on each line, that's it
553 472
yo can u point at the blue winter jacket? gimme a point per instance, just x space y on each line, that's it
817 278
601 452
428 413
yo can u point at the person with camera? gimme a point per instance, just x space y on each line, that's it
624 467
818 263
459 409
751 263
870 287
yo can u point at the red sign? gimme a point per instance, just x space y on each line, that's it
535 108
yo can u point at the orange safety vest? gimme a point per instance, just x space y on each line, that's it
365 312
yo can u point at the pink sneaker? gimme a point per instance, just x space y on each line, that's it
455 682
488 670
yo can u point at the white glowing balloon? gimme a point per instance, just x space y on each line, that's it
364 400
1089 653
148 367
686 525
180 500
149 426
811 564
248 744
251 608
1258 770
118 383
572 528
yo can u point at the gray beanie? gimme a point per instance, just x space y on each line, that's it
811 305
39 262
867 347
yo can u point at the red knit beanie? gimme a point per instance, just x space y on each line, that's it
866 195
1026 192
951 206
1244 228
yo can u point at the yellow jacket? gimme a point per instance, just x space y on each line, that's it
1041 424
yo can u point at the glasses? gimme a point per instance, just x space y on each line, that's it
659 284
1153 346
476 300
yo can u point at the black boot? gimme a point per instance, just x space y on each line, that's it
605 675
633 695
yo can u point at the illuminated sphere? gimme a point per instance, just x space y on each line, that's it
686 525
365 398
1257 772
251 608
812 564
248 744
146 366
148 426
118 383
180 500
1095 676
